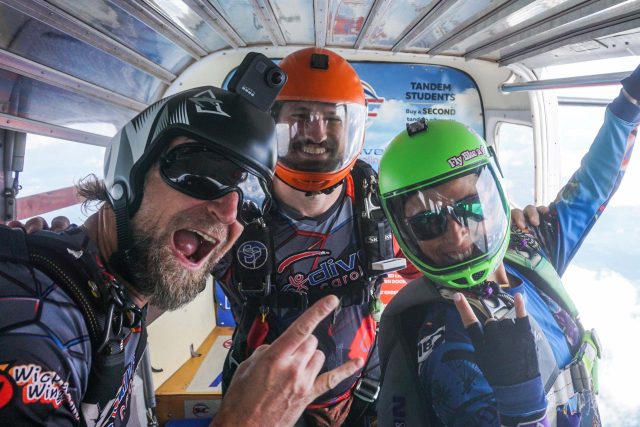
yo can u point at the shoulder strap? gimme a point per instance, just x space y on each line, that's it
525 255
402 397
47 252
374 232
254 260
66 264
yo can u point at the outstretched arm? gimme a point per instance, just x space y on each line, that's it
278 381
583 199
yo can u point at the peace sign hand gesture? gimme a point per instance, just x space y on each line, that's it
505 349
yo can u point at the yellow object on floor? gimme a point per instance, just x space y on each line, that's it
195 390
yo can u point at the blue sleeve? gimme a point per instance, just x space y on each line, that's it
582 200
45 352
460 394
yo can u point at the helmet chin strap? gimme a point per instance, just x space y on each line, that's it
489 290
315 193
123 258
324 191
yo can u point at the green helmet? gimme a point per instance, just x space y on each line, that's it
441 190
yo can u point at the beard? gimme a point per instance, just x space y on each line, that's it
156 271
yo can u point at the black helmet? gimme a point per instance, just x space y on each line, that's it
223 121
234 127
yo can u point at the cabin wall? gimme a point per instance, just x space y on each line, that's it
171 334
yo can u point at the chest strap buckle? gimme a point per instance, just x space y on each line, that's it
367 389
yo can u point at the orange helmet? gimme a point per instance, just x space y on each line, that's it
320 119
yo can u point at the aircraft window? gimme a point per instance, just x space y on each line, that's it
31 99
41 173
346 20
296 20
128 30
43 44
603 277
184 17
245 21
515 154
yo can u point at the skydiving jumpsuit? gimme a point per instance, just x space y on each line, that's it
313 257
46 355
458 393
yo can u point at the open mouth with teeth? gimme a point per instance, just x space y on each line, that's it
313 149
193 246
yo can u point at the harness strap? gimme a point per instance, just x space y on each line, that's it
527 257
66 261
373 229
365 392
401 401
576 378
367 389
349 295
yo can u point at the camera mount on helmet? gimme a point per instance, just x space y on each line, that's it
258 80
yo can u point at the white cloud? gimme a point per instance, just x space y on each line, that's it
609 303
392 113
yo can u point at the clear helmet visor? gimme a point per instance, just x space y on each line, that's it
455 222
318 136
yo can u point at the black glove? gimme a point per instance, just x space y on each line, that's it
631 84
505 351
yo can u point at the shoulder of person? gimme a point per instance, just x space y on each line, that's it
44 344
